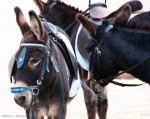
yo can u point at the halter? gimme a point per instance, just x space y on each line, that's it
20 62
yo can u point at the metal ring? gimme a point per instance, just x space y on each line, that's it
54 39
33 93
39 82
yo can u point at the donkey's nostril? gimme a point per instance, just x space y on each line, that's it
22 98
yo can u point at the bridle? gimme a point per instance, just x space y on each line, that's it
20 62
109 79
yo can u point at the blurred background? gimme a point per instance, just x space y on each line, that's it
124 103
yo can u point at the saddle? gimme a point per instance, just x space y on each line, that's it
98 10
64 45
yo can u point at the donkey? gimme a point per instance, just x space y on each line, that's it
117 49
140 21
40 72
63 15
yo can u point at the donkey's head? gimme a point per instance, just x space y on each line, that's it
97 45
96 31
31 58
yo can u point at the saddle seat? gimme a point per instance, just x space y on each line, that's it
99 10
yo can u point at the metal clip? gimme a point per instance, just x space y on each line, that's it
39 82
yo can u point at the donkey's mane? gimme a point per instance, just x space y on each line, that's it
66 6
137 37
65 13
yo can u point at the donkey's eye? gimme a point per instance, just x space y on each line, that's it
34 61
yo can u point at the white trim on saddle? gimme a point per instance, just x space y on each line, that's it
76 83
84 63
75 87
67 42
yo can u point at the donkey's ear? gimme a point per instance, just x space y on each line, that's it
88 25
36 25
40 4
24 27
123 16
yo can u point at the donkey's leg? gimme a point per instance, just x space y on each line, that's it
89 95
102 103
100 99
89 98
102 108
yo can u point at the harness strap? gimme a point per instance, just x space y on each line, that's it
61 99
123 84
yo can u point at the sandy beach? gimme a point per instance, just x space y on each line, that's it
124 102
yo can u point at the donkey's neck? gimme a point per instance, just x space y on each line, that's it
64 16
127 48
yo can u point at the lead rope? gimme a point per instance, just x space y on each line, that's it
61 98
34 107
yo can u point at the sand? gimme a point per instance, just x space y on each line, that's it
124 103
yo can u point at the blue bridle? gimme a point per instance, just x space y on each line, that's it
20 62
